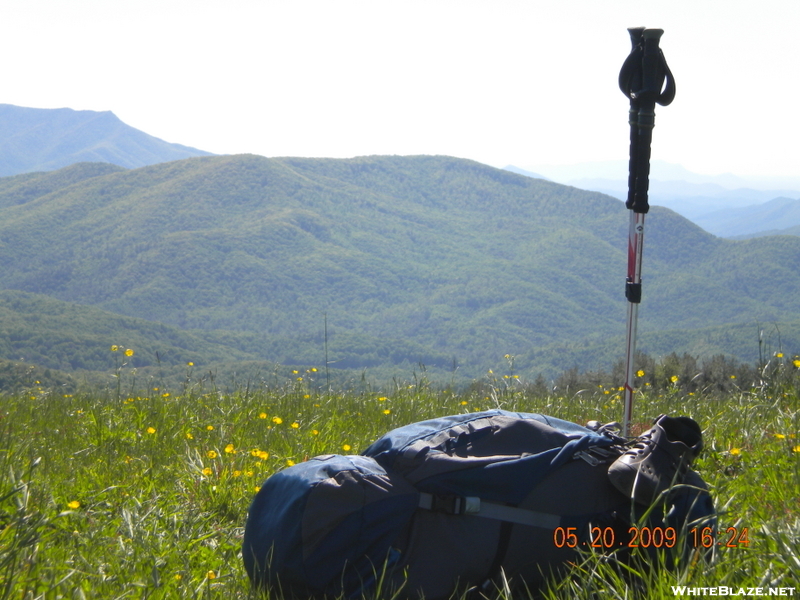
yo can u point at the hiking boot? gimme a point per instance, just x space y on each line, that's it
657 459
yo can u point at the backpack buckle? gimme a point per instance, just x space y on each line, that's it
450 504
592 460
597 455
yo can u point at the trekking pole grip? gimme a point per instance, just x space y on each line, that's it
654 74
630 80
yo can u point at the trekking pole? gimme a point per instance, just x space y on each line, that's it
646 79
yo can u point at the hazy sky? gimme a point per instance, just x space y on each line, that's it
499 81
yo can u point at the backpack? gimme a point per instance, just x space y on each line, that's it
446 504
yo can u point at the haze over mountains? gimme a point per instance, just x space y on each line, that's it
228 261
722 204
34 139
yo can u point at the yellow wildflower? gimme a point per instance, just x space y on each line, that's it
114 348
207 471
263 415
74 504
736 451
129 352
229 449
295 425
640 373
346 447
277 420
151 430
211 454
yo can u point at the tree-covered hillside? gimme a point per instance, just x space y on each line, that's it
462 262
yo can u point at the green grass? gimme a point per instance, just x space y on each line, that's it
104 495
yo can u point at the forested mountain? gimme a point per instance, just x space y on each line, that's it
407 259
39 139
795 230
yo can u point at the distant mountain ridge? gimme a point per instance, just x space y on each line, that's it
701 198
37 139
778 216
661 170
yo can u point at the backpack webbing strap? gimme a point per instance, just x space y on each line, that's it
471 505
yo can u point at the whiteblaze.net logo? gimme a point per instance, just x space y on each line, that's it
723 590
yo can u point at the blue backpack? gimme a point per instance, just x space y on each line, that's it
447 504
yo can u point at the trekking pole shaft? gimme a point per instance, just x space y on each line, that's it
631 350
633 292
637 201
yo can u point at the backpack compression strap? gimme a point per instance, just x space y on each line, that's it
472 505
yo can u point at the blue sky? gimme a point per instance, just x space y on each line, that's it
498 81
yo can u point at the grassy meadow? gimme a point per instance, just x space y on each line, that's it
120 494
